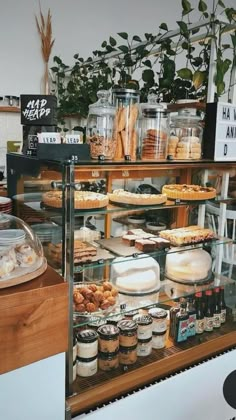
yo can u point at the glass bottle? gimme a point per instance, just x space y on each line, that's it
173 311
181 328
125 124
208 315
100 128
191 317
185 139
199 313
222 306
216 308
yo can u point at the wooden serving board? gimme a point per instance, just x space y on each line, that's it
25 277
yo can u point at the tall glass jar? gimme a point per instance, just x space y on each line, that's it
154 132
185 139
126 103
100 128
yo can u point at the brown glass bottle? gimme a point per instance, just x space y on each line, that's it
199 313
208 315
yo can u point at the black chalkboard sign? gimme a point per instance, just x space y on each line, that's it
38 110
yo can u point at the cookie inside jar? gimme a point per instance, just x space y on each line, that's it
185 138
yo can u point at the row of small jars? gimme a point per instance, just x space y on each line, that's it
113 345
127 130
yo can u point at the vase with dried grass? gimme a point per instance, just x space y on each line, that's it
44 27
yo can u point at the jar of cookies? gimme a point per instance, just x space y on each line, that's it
99 129
185 139
125 124
154 132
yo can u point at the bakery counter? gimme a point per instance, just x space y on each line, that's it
94 391
34 321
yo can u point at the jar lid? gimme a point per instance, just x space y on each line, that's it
108 356
87 336
144 340
108 331
130 314
86 359
157 313
123 91
154 112
186 116
96 321
115 319
126 326
158 333
102 106
127 349
143 319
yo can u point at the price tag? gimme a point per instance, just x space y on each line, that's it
73 139
49 138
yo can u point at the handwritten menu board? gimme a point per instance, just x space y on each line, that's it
38 109
220 132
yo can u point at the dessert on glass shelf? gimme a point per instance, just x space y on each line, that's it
188 192
82 199
125 197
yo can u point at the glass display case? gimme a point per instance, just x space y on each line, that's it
121 273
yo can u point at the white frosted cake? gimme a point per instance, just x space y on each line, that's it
139 275
192 265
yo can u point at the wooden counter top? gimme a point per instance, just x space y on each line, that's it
34 321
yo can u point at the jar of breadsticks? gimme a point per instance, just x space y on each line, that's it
100 127
125 123
185 138
154 132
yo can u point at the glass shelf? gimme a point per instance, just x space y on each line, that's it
168 292
155 254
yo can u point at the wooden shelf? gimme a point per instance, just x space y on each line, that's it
104 386
9 109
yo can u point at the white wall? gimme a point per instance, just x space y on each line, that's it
78 26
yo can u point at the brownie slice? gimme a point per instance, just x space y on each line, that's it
129 239
145 245
161 243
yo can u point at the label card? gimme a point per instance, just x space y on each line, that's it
73 138
49 138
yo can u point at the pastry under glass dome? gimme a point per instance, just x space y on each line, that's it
21 252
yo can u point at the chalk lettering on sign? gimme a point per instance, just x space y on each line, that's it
36 109
231 132
225 113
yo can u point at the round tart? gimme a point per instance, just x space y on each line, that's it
188 192
83 199
126 197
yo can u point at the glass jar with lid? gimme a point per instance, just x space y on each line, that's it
100 128
154 132
185 139
126 103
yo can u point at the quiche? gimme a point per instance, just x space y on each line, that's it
188 192
125 197
82 199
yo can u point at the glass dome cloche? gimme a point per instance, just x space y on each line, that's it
21 253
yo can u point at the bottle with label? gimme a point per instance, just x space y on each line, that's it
209 315
216 308
173 311
199 313
191 317
222 306
181 326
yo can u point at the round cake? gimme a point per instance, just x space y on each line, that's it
193 265
188 192
125 197
83 199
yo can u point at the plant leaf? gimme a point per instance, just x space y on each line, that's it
123 35
147 63
112 41
147 75
202 6
221 4
183 26
163 26
185 74
104 44
137 38
124 48
198 78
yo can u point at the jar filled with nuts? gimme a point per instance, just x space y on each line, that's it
100 128
125 123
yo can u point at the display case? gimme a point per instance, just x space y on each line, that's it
84 242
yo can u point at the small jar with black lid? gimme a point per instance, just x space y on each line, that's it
159 317
87 344
144 347
144 326
87 366
128 333
158 340
108 341
108 361
128 355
